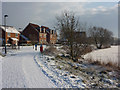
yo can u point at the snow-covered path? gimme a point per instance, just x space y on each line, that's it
19 70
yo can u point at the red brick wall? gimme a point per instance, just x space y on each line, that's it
53 38
31 33
12 35
42 38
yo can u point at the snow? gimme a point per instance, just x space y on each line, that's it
0 72
104 55
27 68
9 29
15 39
48 66
19 70
24 37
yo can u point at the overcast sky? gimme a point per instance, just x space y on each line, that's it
103 14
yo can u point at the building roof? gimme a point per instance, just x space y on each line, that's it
20 31
14 39
34 25
24 37
44 27
37 27
9 29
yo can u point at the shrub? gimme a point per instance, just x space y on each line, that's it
96 62
50 50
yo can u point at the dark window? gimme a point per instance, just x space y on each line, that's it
16 35
8 34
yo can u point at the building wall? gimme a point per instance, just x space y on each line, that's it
42 38
48 37
12 35
31 34
53 37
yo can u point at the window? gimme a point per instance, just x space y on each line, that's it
16 35
44 35
8 34
52 32
41 35
44 30
40 30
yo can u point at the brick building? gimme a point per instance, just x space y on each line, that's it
11 34
52 36
41 35
23 39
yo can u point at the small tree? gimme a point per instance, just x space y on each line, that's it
67 24
100 36
80 44
70 31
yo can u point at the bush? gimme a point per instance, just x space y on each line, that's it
50 50
96 63
87 50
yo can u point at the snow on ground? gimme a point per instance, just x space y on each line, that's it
27 68
104 55
61 78
19 70
0 72
68 74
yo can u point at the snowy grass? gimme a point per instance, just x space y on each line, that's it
49 67
107 56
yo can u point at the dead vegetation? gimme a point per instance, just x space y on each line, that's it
109 64
51 50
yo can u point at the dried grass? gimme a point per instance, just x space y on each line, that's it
50 50
109 64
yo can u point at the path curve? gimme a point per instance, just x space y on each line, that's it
19 70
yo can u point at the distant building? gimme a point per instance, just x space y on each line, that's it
41 35
31 32
12 35
51 35
77 36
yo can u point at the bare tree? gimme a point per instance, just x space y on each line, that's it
80 44
70 31
100 36
67 24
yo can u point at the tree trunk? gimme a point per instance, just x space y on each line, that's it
71 51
